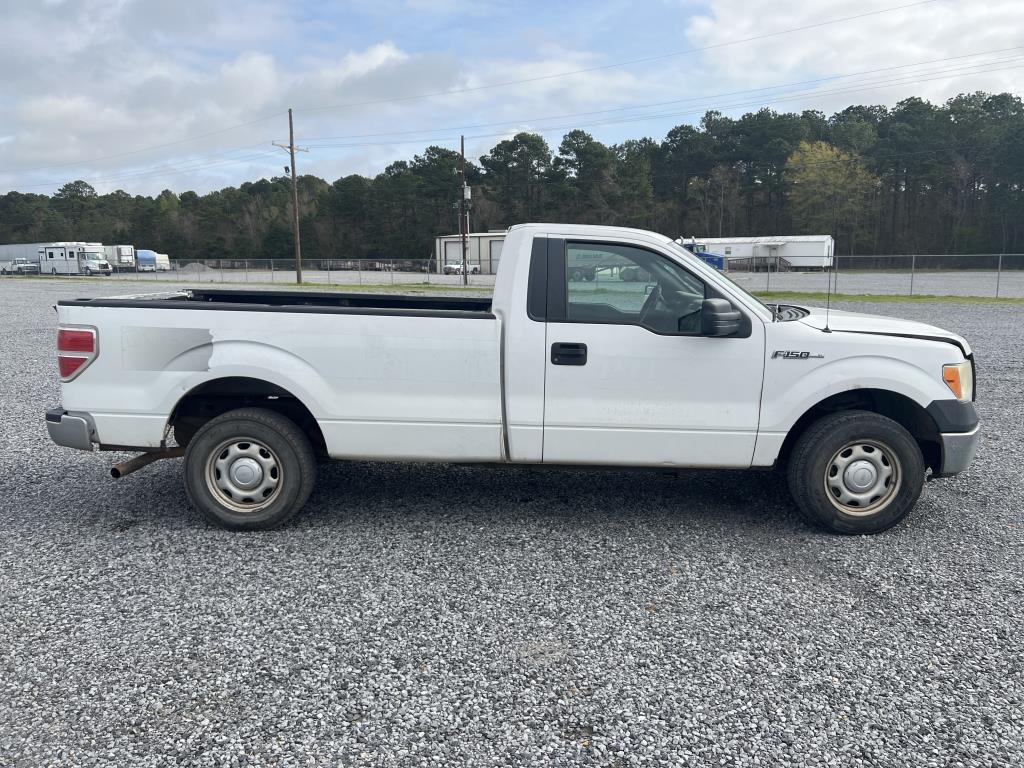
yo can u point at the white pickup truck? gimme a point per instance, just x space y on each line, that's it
19 267
680 369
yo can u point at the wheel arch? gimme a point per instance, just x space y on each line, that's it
212 397
903 410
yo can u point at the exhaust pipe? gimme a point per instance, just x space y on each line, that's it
142 460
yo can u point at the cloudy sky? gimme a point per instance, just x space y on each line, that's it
145 95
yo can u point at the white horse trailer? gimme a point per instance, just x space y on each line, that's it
797 252
73 259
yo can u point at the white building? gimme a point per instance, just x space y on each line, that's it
483 252
798 252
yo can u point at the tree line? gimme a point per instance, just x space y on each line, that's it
916 178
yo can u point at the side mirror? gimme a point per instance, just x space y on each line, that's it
718 318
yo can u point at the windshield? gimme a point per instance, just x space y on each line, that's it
686 252
92 256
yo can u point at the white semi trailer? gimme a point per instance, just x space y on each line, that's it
21 251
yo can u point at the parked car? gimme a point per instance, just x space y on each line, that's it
582 273
19 267
684 370
456 269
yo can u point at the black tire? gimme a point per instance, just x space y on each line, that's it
268 441
886 456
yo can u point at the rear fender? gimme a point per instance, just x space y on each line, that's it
264 362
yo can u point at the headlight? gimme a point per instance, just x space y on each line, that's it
959 377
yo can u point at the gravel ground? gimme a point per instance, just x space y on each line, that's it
436 615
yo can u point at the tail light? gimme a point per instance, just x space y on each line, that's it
77 347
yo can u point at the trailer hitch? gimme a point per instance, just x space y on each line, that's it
142 460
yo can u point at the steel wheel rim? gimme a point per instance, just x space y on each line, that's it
862 477
243 475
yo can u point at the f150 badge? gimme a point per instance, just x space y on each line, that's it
789 354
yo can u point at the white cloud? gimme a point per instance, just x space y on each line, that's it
927 32
101 78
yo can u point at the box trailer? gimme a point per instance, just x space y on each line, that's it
121 257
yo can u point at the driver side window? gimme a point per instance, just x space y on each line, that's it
621 284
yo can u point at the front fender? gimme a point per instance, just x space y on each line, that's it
787 398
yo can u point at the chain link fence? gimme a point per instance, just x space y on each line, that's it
990 275
984 275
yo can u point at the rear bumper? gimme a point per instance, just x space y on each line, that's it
69 430
958 450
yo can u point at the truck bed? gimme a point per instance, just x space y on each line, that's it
300 301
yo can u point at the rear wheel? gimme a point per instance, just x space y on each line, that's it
249 469
856 472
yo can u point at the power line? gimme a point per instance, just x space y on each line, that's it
629 62
144 149
762 89
853 88
154 173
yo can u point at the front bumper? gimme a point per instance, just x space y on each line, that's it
69 430
958 450
959 432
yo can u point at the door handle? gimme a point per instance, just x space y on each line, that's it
568 353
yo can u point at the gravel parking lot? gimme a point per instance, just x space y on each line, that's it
440 615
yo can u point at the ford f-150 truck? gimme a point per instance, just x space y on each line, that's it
681 368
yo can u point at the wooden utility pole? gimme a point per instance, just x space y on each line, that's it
292 149
463 220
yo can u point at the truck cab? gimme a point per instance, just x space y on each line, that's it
94 262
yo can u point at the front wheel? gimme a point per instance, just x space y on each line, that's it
856 472
249 469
